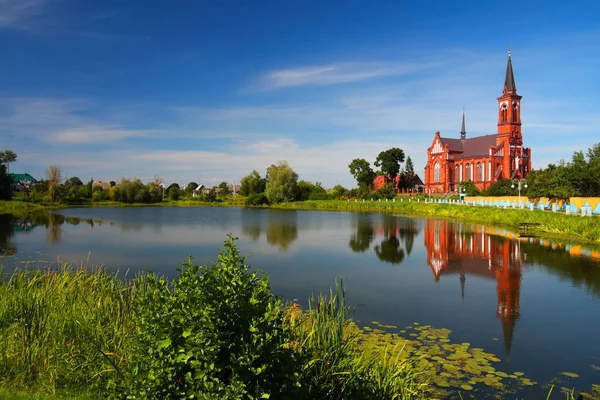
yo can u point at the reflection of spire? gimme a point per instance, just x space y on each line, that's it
462 285
508 329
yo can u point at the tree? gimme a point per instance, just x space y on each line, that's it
501 187
409 167
363 173
224 188
252 184
282 183
74 181
389 161
338 191
469 188
54 179
7 157
189 189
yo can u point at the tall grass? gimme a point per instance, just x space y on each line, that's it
63 328
337 365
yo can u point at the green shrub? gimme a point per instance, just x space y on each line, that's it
256 200
216 330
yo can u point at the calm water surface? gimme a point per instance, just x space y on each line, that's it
536 305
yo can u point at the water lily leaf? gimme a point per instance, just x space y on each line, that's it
494 338
597 368
570 374
466 387
518 373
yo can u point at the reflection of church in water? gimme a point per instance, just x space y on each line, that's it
451 249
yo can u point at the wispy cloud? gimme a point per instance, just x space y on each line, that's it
19 14
338 73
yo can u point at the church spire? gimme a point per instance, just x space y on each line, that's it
463 131
509 81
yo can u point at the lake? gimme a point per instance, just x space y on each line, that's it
533 303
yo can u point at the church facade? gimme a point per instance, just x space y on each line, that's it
481 159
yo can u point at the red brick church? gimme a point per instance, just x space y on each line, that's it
481 159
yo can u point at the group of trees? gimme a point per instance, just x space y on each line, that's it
579 177
6 157
280 185
390 167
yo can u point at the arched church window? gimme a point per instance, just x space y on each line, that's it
436 172
457 173
514 111
469 171
503 112
489 171
479 172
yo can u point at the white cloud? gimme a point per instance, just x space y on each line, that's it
99 134
18 14
338 73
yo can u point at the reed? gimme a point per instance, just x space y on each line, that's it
337 366
63 328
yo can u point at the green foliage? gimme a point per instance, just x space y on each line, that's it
189 189
503 187
363 173
469 188
252 184
5 181
282 183
307 190
256 200
409 168
386 192
338 191
173 192
75 181
224 189
216 330
389 161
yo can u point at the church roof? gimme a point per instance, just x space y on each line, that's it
509 81
455 145
477 146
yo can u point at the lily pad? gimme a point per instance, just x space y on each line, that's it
570 374
466 387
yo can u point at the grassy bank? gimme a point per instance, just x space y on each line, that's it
585 229
215 330
218 331
15 206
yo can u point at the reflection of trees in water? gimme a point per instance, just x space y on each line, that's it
281 234
398 239
580 271
6 233
398 236
252 231
251 224
408 230
361 239
389 250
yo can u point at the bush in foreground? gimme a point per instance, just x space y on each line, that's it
216 331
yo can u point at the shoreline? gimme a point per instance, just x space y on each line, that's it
558 226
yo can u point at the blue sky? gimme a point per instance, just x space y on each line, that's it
206 91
